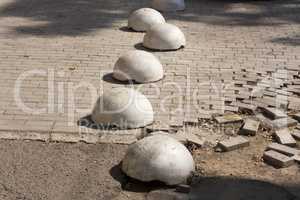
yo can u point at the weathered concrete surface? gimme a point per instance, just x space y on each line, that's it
158 158
277 159
283 149
143 18
228 118
164 37
124 108
274 113
234 143
284 136
139 66
282 123
250 127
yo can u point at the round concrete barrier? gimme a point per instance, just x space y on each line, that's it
158 158
164 37
142 19
123 108
140 66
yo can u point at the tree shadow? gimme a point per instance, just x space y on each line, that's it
242 12
220 188
79 17
215 188
292 41
67 17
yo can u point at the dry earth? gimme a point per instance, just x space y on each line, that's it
31 170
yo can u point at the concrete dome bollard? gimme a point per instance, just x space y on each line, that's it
124 108
140 66
164 37
158 158
142 19
168 5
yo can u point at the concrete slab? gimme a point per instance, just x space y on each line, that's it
234 143
250 127
277 159
283 149
283 136
229 118
284 123
274 113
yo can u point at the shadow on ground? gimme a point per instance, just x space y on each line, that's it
220 188
292 40
132 185
78 17
68 17
110 79
215 188
87 122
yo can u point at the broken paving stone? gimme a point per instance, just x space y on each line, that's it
185 137
179 136
274 113
245 106
283 149
296 134
296 158
182 136
234 143
194 139
294 105
250 127
277 159
166 195
284 122
229 118
232 108
264 121
283 136
297 117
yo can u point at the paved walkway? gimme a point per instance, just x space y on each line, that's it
55 56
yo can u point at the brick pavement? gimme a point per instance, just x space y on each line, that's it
59 51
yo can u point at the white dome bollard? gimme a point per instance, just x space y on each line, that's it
158 158
168 5
164 37
142 19
140 66
124 108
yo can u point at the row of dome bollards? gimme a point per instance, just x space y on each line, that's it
157 157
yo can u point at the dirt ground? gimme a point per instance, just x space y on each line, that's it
31 170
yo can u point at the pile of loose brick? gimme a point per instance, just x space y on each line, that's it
283 152
270 88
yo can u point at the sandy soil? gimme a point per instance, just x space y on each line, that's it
60 171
